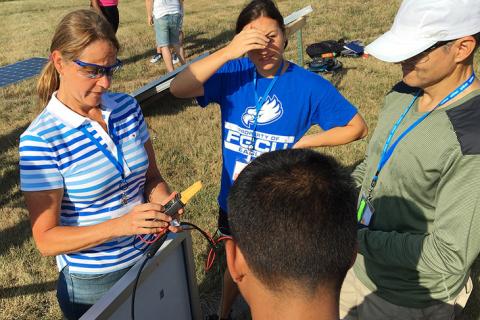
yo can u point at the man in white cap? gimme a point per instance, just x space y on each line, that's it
419 204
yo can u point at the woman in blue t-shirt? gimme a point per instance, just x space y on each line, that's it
267 103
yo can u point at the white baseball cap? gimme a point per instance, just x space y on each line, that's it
419 24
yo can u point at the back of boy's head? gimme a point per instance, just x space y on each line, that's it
292 214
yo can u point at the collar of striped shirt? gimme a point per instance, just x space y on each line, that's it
70 117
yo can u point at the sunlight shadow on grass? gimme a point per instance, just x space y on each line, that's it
198 44
9 193
27 289
14 236
138 57
164 104
336 77
11 139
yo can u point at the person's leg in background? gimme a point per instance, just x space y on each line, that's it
174 36
181 37
111 14
167 57
162 36
178 50
181 51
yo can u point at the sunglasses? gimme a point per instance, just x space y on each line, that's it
423 57
95 71
437 45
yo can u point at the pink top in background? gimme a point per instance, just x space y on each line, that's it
107 3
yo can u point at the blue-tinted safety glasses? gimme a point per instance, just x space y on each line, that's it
95 71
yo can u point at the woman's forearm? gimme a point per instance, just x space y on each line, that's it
189 82
68 239
52 239
157 191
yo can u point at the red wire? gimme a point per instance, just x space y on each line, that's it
211 254
157 236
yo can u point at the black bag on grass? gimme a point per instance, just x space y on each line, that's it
333 48
325 47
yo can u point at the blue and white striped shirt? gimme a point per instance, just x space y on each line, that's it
55 154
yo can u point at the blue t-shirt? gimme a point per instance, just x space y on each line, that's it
298 100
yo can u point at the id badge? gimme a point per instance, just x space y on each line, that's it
239 166
365 211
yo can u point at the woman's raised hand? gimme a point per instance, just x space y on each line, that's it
245 41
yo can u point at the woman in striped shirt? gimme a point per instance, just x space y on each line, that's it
87 166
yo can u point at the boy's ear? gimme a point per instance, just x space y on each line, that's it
236 263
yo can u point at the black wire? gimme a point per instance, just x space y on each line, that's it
205 235
149 254
153 249
135 287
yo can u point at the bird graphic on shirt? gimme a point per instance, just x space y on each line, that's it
270 111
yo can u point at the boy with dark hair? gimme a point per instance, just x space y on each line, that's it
292 218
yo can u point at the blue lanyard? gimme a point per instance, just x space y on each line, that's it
388 150
117 163
260 101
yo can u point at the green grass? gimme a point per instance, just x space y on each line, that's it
186 138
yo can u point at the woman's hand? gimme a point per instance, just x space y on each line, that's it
157 190
144 218
177 215
245 41
54 239
189 83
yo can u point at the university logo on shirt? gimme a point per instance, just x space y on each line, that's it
270 111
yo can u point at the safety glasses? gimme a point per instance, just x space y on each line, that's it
95 71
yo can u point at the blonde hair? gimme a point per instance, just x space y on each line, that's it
76 31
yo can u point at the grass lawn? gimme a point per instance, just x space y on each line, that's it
186 138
